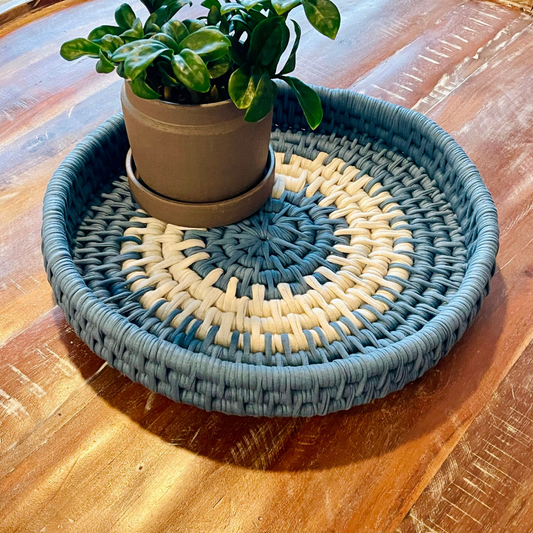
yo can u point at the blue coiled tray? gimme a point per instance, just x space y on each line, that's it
361 272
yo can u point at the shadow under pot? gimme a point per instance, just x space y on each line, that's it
197 165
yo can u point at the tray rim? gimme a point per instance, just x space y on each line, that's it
60 266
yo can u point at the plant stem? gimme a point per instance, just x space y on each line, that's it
167 91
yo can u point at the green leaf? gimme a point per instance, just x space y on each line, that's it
290 65
101 31
194 24
323 15
231 6
263 100
254 16
214 6
224 25
166 12
125 16
175 29
213 17
136 31
208 4
148 5
104 66
167 41
121 53
249 4
308 99
140 58
142 89
240 24
180 3
190 69
282 6
242 85
218 68
152 5
77 48
110 43
237 51
150 25
274 46
120 70
269 39
167 74
208 43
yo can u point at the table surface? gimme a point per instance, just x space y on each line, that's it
82 448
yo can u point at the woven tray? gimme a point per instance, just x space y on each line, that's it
362 271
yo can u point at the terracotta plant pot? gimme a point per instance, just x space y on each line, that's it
196 154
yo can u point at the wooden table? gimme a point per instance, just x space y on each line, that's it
84 449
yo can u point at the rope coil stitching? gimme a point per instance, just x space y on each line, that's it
364 268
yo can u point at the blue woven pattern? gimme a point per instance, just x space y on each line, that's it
140 315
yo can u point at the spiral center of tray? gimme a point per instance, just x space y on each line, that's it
287 240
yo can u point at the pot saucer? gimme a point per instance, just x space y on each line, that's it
201 215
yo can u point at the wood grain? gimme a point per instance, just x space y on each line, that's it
525 5
499 499
84 449
487 481
465 39
13 9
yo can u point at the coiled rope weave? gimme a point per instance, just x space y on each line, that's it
364 268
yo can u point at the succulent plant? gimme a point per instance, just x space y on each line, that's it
234 51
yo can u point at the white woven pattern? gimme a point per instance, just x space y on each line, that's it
364 263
